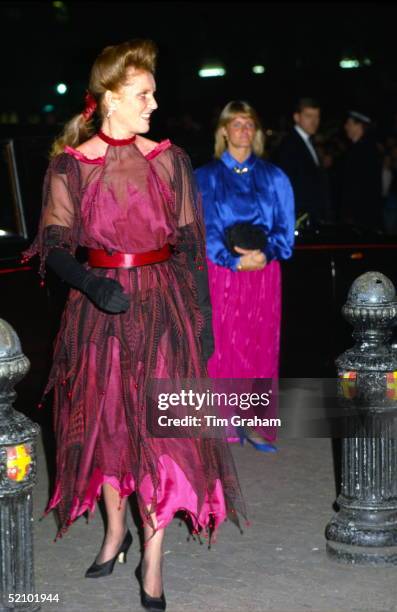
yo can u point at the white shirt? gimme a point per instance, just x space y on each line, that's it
307 142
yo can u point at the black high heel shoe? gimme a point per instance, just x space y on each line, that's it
97 570
152 604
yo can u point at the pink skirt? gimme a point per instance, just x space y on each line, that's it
246 321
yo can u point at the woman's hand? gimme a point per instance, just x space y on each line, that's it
250 259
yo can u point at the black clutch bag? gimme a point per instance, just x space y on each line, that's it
246 236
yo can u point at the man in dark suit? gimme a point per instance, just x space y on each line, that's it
361 193
297 156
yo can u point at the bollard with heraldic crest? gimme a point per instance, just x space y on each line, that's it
364 530
17 478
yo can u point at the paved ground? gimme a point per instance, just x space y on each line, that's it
278 565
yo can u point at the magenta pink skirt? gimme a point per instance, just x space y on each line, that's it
246 320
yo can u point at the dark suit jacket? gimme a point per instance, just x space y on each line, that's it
309 181
362 184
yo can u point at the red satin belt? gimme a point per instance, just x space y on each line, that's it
98 258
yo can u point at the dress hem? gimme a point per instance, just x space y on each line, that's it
207 518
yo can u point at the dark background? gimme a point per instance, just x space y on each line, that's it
301 44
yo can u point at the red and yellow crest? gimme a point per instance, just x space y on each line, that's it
19 461
391 385
348 384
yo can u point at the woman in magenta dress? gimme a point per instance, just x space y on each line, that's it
139 309
249 216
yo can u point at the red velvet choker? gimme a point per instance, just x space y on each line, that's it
115 142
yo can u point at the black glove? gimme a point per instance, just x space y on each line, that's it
105 293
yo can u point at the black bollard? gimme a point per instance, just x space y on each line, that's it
17 477
364 530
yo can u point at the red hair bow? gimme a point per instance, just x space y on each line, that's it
90 106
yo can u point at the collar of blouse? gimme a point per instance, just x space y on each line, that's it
236 166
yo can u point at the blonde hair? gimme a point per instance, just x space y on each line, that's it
107 73
231 110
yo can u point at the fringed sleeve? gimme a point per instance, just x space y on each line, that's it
60 214
191 235
191 240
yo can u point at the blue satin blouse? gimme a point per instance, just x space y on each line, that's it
258 192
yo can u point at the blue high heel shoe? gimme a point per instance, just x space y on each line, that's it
264 447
